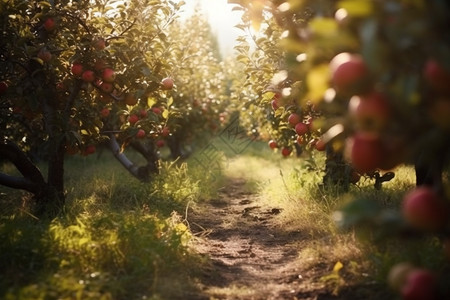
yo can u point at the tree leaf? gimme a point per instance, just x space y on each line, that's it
317 82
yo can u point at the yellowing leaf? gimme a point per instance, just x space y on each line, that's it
324 26
357 8
169 101
84 132
337 267
165 114
317 82
151 101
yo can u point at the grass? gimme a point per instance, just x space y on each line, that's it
123 239
356 228
119 238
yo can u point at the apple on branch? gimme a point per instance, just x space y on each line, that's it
273 144
425 210
77 69
88 76
167 83
49 24
294 119
349 73
108 75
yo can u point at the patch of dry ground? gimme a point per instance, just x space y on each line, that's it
250 258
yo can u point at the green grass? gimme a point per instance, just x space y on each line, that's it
124 239
119 238
365 243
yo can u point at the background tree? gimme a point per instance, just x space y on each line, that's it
202 98
75 74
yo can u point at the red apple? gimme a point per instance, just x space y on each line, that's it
141 134
108 75
143 113
165 131
301 128
99 44
156 110
425 210
348 73
273 144
130 99
286 151
3 87
160 143
45 55
167 83
436 76
106 87
294 119
421 284
88 76
105 112
370 111
133 119
77 69
366 152
49 24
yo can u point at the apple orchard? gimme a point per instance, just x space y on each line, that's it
366 84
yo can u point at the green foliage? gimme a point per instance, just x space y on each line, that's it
119 239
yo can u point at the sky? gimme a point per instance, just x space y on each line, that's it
222 20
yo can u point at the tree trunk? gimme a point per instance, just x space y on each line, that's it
174 144
337 170
55 181
48 196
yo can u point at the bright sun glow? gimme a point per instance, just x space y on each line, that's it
222 20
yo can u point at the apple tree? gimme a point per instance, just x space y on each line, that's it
75 74
378 71
201 97
269 98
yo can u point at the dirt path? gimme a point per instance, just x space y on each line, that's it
250 258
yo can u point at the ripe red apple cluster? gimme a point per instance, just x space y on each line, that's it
369 148
302 125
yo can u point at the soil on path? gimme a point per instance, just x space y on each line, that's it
249 256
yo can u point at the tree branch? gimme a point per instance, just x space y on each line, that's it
33 181
122 158
21 183
12 153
